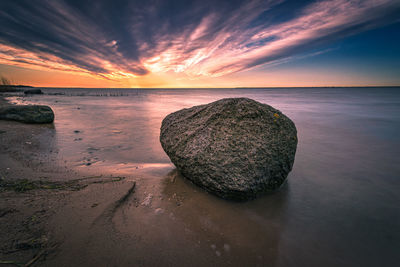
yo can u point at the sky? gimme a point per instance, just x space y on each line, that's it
200 43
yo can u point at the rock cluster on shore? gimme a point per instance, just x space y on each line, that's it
235 148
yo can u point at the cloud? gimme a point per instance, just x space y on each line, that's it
232 50
118 39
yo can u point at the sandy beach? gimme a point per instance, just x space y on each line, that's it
108 223
96 188
110 218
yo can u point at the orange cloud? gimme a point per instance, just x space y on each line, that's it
197 54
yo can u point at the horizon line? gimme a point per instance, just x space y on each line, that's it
238 87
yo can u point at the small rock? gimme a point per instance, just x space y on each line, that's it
147 200
159 211
227 248
27 113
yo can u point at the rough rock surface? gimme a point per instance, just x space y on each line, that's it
33 91
27 113
235 148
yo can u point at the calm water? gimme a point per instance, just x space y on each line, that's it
341 205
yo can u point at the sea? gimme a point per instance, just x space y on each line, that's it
339 207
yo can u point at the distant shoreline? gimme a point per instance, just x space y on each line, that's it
199 88
13 88
16 86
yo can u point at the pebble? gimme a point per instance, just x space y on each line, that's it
147 200
159 211
227 248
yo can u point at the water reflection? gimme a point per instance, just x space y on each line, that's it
244 234
343 206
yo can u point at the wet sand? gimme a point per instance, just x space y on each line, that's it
183 225
340 206
140 221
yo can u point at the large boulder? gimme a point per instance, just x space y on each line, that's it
235 148
27 113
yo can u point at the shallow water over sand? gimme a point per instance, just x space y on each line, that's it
340 207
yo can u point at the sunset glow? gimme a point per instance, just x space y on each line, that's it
250 43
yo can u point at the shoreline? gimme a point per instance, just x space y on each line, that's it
74 215
23 225
164 219
3 101
34 189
